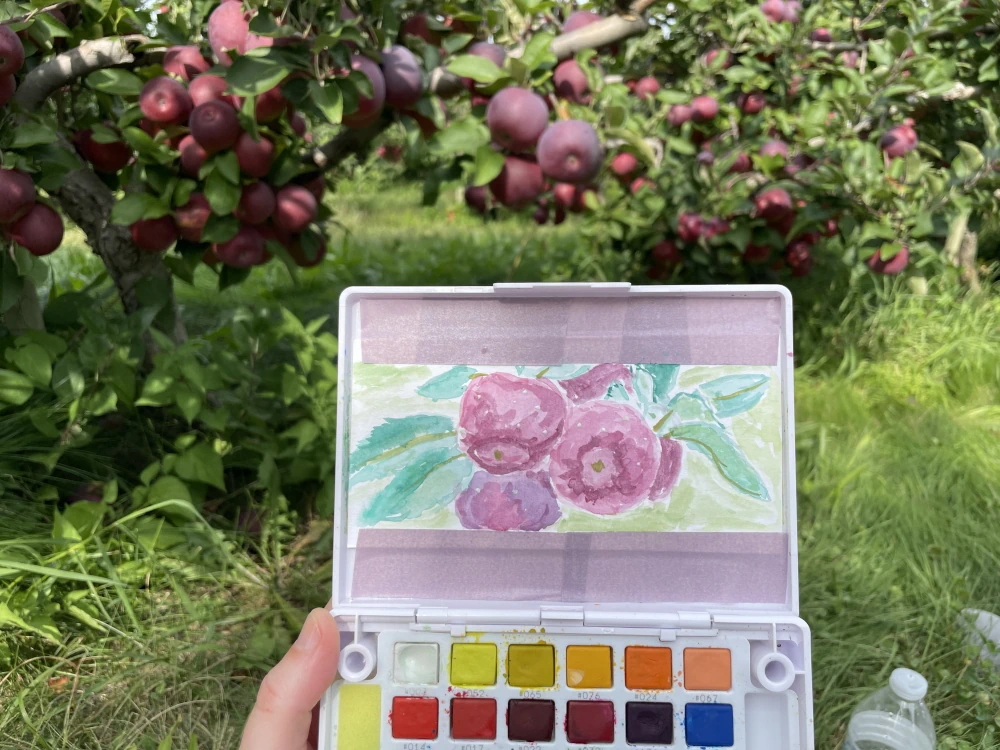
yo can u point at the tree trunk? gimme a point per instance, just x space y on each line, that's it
88 202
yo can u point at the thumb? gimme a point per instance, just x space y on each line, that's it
284 708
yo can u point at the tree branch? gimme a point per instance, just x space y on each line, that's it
445 84
35 12
78 62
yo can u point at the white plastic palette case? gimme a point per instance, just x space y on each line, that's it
565 518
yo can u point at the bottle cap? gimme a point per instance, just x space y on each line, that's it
908 685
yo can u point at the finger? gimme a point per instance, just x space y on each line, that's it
283 712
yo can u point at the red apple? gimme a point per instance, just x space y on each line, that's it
185 62
39 231
296 208
245 250
17 195
255 157
154 235
165 101
192 217
257 204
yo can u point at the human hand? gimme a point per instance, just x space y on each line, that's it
285 715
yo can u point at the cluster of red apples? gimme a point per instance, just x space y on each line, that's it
33 225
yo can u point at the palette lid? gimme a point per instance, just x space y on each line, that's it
599 448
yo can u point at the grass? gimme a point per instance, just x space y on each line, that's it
899 495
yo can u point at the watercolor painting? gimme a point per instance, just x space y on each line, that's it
566 448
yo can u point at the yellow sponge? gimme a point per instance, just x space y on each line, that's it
359 723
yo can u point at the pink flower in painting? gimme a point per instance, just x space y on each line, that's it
608 459
516 502
595 383
670 469
507 423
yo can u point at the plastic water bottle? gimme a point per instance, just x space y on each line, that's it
894 718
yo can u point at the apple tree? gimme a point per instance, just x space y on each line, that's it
702 140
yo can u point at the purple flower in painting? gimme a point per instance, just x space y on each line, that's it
608 459
516 502
507 423
595 383
670 468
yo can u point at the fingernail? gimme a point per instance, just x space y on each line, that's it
309 637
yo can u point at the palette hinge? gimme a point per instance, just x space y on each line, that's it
661 620
566 616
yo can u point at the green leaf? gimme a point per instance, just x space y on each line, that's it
429 481
201 463
479 69
538 50
304 432
739 74
115 81
898 38
461 137
67 378
136 206
222 195
34 362
715 443
220 229
968 161
988 70
34 133
187 401
634 140
448 385
232 276
735 394
455 42
398 433
329 100
681 146
183 191
489 164
251 76
14 388
158 389
228 165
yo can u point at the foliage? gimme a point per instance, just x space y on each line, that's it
878 132
227 426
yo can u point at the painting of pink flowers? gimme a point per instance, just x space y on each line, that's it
565 448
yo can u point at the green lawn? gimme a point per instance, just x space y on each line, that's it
899 508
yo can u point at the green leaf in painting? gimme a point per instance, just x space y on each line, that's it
424 484
200 463
664 380
715 443
735 394
448 385
399 433
689 407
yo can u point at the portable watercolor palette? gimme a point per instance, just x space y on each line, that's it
565 518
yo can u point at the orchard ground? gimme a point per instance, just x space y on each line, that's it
899 489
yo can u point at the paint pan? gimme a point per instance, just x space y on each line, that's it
565 518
